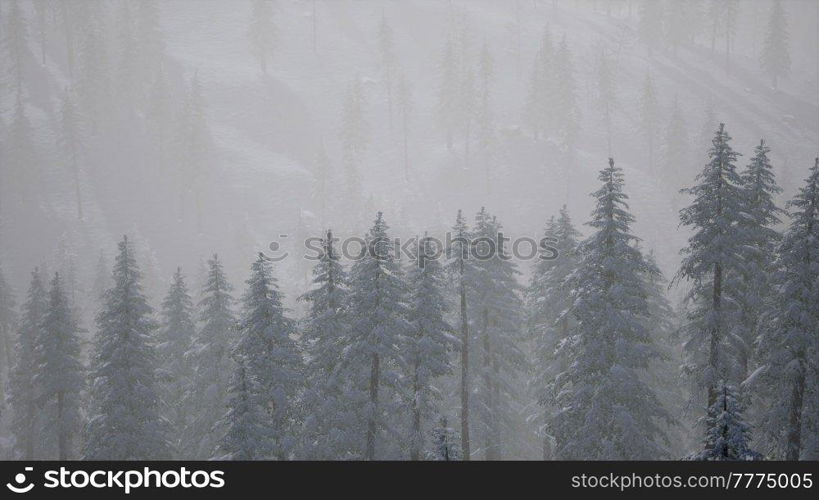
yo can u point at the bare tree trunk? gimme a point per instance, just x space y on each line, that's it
371 424
415 451
464 373
794 436
713 355
62 439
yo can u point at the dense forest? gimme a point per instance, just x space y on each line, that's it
157 301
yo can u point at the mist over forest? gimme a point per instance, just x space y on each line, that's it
162 164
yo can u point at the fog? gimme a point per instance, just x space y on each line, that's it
232 128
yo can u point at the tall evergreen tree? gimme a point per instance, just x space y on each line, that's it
775 58
330 400
60 377
210 358
22 395
262 410
373 357
460 270
262 32
428 342
712 263
760 217
549 321
607 411
125 422
497 317
790 341
175 371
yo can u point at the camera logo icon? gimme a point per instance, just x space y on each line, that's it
20 480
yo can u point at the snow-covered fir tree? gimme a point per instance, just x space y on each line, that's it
262 410
712 264
331 402
210 358
460 271
760 217
727 435
22 390
428 341
175 371
246 423
446 442
125 421
497 317
549 320
59 378
372 357
606 409
790 339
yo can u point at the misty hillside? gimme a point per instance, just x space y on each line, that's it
266 129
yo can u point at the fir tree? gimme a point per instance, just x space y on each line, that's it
372 356
174 374
790 341
262 410
446 442
727 436
331 400
497 317
775 58
124 419
22 395
428 342
262 31
210 357
548 305
712 263
459 269
60 377
760 216
607 411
